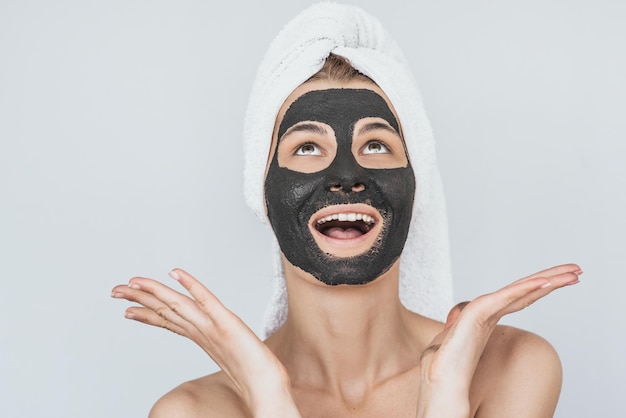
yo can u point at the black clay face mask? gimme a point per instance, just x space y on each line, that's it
293 197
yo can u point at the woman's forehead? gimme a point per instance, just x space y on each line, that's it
325 85
340 108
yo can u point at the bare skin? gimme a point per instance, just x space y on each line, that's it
362 371
355 351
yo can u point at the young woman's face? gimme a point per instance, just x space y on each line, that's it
339 187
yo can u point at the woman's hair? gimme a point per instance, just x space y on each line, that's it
338 68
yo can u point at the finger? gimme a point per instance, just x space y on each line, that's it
553 271
151 302
134 295
469 325
429 351
178 313
454 313
180 304
488 309
555 283
451 321
484 312
148 316
197 290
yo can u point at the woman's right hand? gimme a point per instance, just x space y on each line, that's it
257 374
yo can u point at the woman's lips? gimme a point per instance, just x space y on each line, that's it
345 225
346 230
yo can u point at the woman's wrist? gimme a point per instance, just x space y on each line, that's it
438 408
269 394
439 400
275 402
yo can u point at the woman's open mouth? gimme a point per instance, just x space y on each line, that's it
345 225
346 230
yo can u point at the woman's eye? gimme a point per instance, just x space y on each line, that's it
308 149
375 147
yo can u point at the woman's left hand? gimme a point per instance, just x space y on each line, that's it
448 364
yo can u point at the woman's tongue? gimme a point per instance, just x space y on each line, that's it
341 233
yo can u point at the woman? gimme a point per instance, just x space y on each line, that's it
351 184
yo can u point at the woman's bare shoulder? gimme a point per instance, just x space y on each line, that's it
518 375
510 348
206 397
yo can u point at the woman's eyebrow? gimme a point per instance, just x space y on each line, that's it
372 126
313 128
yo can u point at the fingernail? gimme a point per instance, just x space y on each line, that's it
116 295
573 282
543 286
129 315
462 305
133 286
578 272
174 275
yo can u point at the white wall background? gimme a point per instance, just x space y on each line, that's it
120 155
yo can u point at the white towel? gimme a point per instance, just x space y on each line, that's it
296 54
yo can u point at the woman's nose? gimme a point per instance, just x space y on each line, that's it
346 175
357 187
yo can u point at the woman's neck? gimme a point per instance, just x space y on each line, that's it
336 337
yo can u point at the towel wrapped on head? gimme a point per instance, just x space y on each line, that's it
298 52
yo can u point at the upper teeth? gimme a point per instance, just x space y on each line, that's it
350 217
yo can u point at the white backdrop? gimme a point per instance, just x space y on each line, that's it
121 155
